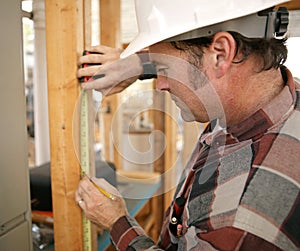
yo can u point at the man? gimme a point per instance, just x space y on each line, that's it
222 64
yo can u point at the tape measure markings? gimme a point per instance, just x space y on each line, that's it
84 161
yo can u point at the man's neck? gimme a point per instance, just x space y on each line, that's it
251 92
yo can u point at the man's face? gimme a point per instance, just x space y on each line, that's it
188 85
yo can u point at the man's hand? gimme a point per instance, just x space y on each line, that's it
109 73
98 208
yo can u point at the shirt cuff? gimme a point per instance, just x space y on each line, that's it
124 231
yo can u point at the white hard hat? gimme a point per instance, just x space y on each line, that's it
159 20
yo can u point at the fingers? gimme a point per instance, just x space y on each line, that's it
104 49
89 193
114 74
110 75
104 54
102 87
87 71
100 81
92 202
85 195
98 208
80 200
106 186
92 59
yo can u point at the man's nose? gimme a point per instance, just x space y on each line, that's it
162 83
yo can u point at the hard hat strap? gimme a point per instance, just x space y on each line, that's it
277 23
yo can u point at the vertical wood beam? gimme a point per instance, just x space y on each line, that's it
110 22
65 42
110 26
191 132
159 163
171 154
292 5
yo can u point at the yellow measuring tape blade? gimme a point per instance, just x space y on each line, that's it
85 160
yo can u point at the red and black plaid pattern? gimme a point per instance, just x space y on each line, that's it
243 187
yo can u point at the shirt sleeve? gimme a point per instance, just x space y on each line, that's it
127 234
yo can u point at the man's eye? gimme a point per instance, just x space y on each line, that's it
159 66
162 70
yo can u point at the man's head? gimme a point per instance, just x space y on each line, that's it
202 56
211 77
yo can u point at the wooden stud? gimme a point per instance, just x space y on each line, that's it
292 5
110 18
171 127
191 133
159 164
65 42
110 14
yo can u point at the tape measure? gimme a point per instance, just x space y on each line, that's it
84 153
85 160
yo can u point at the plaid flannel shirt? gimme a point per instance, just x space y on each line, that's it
241 187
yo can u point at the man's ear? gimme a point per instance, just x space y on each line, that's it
223 48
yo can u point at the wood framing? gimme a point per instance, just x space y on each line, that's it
292 5
110 22
110 26
66 22
160 163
